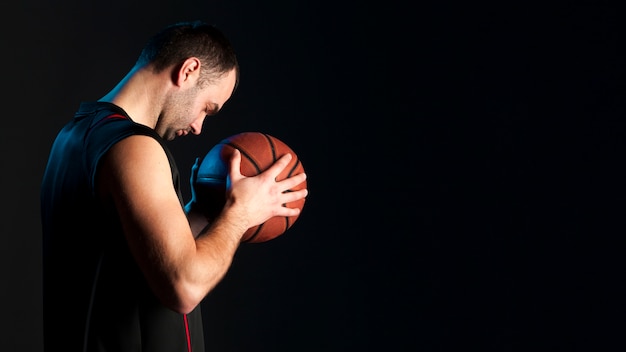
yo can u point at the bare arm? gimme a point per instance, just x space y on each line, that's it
181 257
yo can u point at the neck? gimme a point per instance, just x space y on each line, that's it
138 94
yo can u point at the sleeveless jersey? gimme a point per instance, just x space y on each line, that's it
95 296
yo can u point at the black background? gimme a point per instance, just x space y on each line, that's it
464 162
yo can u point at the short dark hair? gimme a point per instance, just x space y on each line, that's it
180 41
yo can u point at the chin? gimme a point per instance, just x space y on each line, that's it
169 136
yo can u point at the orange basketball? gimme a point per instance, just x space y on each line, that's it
258 152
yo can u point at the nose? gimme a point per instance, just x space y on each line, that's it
196 125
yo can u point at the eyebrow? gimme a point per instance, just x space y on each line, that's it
213 108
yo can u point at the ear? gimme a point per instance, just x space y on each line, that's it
188 72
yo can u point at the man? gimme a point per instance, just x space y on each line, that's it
126 262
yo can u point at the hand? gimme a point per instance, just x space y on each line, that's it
258 198
192 181
193 178
208 198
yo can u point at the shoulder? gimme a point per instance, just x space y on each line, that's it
134 162
135 152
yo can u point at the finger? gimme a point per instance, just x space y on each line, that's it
284 211
235 165
195 167
292 181
292 196
279 165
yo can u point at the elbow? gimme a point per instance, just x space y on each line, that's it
182 300
183 291
184 307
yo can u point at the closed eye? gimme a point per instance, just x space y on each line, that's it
212 109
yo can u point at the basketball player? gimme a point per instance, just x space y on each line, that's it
126 262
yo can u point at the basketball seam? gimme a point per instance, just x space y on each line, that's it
273 148
271 143
246 155
256 233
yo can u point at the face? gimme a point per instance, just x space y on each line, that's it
185 111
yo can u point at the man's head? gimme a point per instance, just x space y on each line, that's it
180 41
201 63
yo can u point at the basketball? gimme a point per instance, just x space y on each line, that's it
258 152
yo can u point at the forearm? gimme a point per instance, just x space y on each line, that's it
215 246
197 221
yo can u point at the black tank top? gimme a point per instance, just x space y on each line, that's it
95 296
